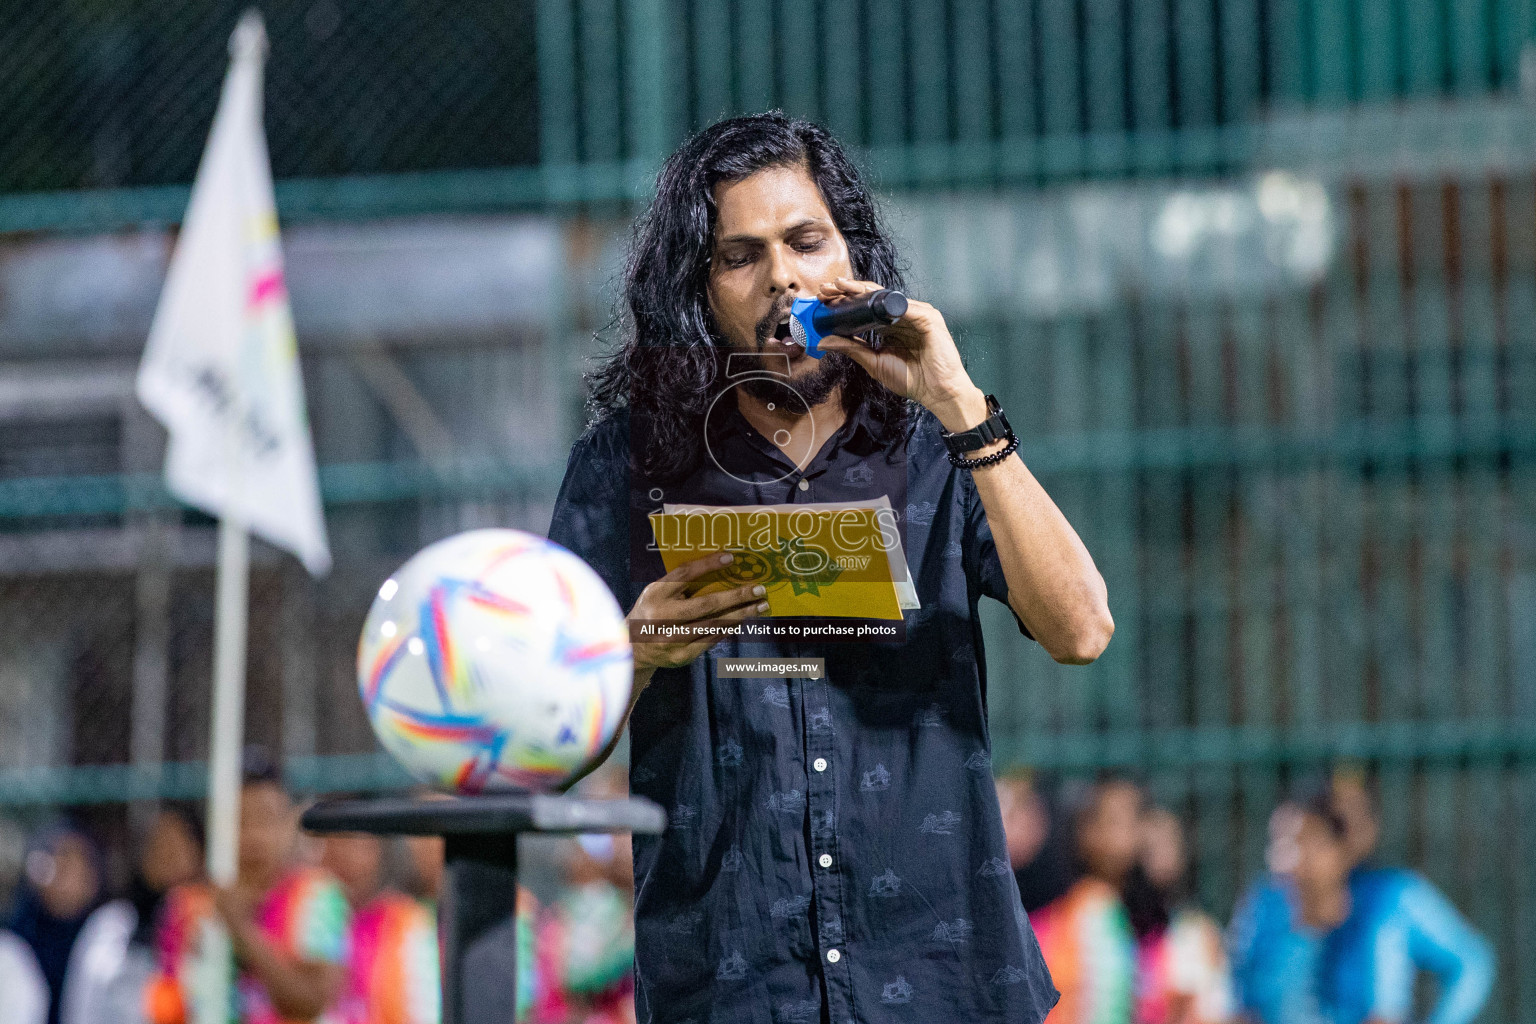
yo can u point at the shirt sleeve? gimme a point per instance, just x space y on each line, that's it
1441 941
591 516
981 551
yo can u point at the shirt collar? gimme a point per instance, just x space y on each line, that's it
857 435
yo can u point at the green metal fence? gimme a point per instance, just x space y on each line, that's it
425 106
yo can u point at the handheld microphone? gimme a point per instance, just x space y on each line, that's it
810 320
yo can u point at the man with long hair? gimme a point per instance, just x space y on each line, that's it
835 850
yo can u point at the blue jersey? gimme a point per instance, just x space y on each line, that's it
1398 925
1274 959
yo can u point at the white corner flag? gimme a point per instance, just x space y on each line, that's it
221 370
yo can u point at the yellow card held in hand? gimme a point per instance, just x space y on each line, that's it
839 560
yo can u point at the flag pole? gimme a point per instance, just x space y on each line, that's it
226 739
228 725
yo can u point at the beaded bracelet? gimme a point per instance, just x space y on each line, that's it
985 460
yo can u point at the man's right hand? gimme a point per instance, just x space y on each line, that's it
669 598
672 598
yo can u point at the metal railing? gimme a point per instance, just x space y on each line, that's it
427 106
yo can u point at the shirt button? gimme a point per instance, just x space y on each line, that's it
820 764
833 956
805 485
825 860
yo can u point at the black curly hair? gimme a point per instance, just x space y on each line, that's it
671 355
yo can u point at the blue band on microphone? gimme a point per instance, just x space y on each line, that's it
804 311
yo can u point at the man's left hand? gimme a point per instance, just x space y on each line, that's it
917 358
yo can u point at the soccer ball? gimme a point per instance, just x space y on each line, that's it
494 660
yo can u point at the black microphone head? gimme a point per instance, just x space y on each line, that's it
890 304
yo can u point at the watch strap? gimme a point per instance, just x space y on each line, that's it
994 428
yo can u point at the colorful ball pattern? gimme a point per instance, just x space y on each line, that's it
495 660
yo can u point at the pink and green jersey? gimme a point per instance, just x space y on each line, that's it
395 975
1087 943
305 916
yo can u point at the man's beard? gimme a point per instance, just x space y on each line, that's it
812 389
834 370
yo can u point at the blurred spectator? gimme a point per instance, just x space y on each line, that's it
1351 941
1085 935
1280 851
172 855
61 885
394 976
286 924
1182 975
1399 924
1039 848
113 959
586 938
1282 955
23 991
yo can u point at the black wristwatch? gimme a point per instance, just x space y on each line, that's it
994 428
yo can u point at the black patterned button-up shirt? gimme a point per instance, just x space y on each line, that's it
835 850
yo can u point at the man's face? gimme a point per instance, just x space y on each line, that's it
267 830
775 241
